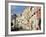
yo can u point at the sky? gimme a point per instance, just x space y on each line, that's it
17 9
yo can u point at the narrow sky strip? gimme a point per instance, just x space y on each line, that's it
17 9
